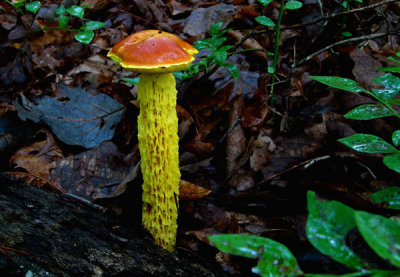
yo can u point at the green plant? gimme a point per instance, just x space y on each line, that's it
267 22
84 34
217 57
328 224
385 101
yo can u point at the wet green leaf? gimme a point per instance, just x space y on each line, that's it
346 34
266 21
233 70
275 259
77 11
61 10
63 21
84 37
394 69
214 28
381 234
339 82
270 69
328 223
92 25
264 2
33 6
368 144
396 137
293 5
220 57
391 84
368 111
392 161
389 195
134 81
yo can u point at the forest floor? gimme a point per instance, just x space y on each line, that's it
246 162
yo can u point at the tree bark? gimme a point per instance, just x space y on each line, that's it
66 237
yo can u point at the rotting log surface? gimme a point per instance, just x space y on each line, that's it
65 237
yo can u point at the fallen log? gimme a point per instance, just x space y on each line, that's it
61 236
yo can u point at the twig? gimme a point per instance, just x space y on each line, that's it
295 26
333 15
367 37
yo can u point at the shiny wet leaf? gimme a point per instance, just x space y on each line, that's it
275 259
368 111
339 82
381 234
392 161
389 195
327 225
366 143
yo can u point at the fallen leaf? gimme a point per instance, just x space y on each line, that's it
236 140
190 191
38 157
76 118
365 68
200 20
93 174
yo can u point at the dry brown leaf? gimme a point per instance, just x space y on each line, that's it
365 68
236 141
190 191
39 157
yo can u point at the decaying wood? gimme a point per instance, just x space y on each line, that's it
65 237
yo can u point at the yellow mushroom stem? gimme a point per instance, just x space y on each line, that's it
159 150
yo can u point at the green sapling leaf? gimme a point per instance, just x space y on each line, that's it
339 82
393 69
328 224
202 44
264 2
368 144
77 11
368 111
389 195
391 84
214 28
233 70
266 21
396 137
293 5
85 37
33 6
220 57
92 25
61 10
381 234
63 21
392 161
134 81
275 259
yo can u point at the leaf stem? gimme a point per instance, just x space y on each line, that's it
383 102
276 49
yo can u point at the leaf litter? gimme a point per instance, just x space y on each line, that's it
246 165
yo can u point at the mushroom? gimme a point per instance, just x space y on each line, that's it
156 55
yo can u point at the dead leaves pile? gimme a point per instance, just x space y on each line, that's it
245 165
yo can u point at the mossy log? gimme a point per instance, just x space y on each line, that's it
65 237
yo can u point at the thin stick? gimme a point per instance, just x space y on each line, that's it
367 37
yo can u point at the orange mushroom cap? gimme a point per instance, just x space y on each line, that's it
153 51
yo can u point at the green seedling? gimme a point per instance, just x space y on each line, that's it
385 101
217 57
268 22
84 34
328 225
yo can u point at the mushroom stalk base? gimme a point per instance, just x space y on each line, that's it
159 150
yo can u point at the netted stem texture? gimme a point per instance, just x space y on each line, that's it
158 146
